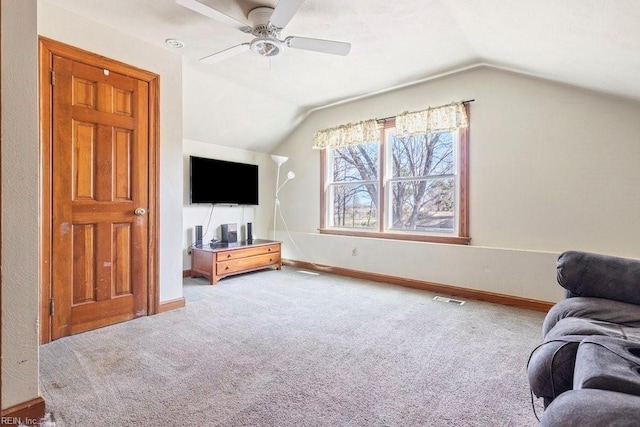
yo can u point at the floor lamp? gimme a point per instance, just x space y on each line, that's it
280 160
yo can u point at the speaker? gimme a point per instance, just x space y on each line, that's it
249 233
198 235
229 233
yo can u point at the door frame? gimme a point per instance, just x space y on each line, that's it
49 48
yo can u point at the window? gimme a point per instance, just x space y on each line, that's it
353 186
402 187
421 181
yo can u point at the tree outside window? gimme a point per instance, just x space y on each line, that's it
422 181
354 186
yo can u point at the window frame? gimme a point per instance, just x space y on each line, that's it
462 214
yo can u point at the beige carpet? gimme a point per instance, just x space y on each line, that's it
283 348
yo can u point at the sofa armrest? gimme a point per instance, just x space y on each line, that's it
585 274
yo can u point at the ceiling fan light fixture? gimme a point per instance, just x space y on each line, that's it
266 46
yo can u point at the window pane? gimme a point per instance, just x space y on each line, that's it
357 163
420 155
423 205
354 205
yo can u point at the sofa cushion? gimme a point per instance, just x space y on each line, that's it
592 408
601 309
607 363
586 274
588 327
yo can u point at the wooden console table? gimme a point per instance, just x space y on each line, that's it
227 259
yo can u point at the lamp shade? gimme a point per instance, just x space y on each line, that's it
279 159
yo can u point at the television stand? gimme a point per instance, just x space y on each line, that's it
221 260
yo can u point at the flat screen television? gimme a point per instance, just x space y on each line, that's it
222 182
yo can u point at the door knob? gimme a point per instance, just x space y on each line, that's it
140 211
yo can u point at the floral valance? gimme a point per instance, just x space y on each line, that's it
446 118
347 135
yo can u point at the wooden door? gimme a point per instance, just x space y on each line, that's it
100 189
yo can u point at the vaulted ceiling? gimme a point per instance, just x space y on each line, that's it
251 102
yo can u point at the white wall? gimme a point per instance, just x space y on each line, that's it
552 168
20 202
260 215
63 26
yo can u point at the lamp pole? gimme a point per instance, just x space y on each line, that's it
280 160
276 202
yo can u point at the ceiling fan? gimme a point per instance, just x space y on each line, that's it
265 24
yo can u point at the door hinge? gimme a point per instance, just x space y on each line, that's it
53 78
52 306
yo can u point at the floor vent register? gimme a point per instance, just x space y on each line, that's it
449 300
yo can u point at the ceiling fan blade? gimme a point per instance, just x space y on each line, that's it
284 11
227 53
205 10
319 45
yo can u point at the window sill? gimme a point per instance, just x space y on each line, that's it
452 240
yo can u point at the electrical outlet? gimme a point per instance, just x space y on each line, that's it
354 252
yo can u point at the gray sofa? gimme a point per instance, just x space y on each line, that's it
587 370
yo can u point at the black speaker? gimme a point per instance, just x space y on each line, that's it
198 235
249 233
229 233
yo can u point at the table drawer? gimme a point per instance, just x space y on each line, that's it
247 252
247 263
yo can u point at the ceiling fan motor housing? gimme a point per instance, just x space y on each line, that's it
259 21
